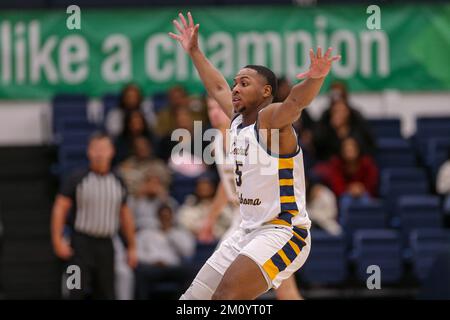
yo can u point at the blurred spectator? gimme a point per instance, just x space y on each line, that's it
178 99
130 100
196 207
161 254
304 126
152 193
338 123
352 175
134 168
134 126
443 183
322 206
98 197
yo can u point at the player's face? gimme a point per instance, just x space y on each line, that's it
217 117
248 90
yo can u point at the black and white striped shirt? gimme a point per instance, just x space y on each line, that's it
97 200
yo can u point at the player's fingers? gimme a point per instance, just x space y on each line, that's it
191 21
319 52
327 54
335 58
195 31
174 36
183 20
311 55
178 26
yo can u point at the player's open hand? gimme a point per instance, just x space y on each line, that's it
188 33
320 65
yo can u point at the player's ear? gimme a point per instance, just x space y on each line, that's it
267 91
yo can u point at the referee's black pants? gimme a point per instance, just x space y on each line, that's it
95 257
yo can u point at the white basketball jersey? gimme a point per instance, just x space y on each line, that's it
225 167
271 188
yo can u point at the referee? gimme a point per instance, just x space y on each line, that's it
98 199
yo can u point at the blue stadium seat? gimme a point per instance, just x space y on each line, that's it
432 126
109 101
182 186
381 248
395 153
75 138
425 245
402 181
438 151
70 158
418 212
327 262
202 253
160 100
385 128
363 216
67 108
428 128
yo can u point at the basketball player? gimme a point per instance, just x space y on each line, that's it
273 239
226 194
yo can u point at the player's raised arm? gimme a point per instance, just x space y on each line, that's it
214 82
302 94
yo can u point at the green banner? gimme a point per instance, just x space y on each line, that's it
41 56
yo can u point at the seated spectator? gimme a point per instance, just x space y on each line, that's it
162 253
153 191
134 126
196 207
130 100
178 99
443 183
338 123
322 208
352 175
134 168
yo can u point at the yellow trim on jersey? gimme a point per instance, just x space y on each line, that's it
287 199
295 247
285 259
271 269
279 222
286 163
297 235
286 182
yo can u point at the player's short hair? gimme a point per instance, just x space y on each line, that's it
268 74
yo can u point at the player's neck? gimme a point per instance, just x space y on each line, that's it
250 117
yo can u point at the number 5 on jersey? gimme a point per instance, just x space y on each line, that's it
238 173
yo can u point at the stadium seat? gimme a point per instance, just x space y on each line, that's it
70 158
395 152
402 181
67 110
425 245
327 262
438 150
363 216
428 128
381 248
182 186
385 128
160 100
109 101
202 253
418 212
